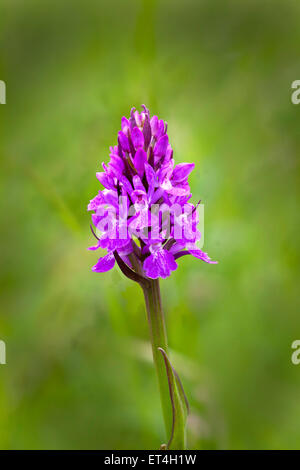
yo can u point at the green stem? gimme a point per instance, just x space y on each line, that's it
158 338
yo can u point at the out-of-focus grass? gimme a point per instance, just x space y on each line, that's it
79 373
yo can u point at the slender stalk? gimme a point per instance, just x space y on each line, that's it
158 338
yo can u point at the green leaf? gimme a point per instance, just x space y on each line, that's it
180 407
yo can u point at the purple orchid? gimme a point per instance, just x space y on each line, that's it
144 215
145 222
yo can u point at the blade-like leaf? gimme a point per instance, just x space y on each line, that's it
180 407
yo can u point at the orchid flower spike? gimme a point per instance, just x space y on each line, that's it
143 214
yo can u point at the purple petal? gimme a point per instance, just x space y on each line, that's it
151 178
105 180
161 146
138 118
126 249
104 264
120 151
182 171
178 191
161 129
157 195
138 195
139 221
169 154
111 198
117 161
124 124
116 243
165 172
159 264
137 183
146 110
139 161
95 202
132 120
116 166
147 132
154 125
96 219
151 156
203 256
137 137
123 140
131 146
95 247
127 185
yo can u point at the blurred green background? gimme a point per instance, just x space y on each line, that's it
79 373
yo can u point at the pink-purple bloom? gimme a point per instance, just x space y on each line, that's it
143 213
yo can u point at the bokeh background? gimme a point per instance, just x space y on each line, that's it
79 373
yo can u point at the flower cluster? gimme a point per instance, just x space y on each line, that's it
144 215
